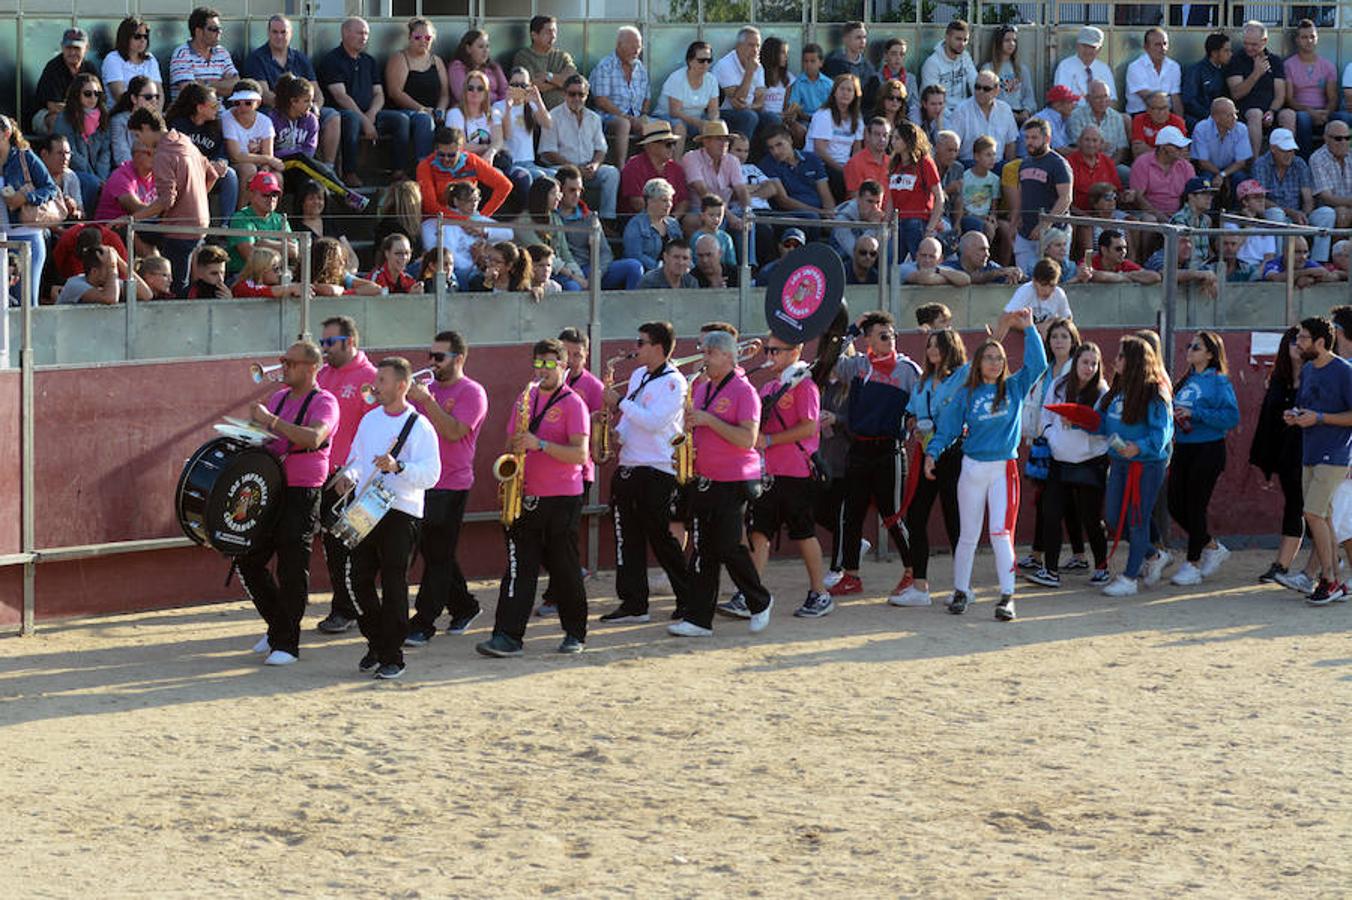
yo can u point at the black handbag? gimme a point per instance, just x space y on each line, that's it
1090 473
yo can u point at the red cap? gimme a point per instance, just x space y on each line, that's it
1059 93
265 183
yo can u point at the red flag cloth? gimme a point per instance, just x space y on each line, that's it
1077 414
1131 503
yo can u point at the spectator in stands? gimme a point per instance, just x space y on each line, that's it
1312 85
154 271
578 138
352 86
867 209
249 136
742 82
259 214
1145 126
1340 260
22 170
712 209
54 151
1154 72
802 174
616 274
1257 82
1076 72
1159 177
262 277
523 113
308 215
621 91
417 87
141 91
713 170
974 260
1257 248
933 103
130 189
915 189
1098 111
980 190
646 233
1091 166
927 269
762 189
711 270
202 59
1111 266
394 255
54 83
330 275
950 65
1220 145
84 124
104 273
296 137
476 119
1198 197
542 268
1332 172
129 58
468 237
208 274
863 267
1044 186
1192 269
893 70
1290 189
474 54
1056 247
852 57
400 212
1236 269
789 241
550 68
837 130
1204 80
985 113
774 59
950 181
267 63
674 271
657 147
434 261
689 96
542 212
195 115
812 86
872 162
1307 271
1016 82
449 163
889 103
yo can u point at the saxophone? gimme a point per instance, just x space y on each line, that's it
683 444
510 468
603 437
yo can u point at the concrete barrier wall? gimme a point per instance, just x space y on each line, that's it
10 463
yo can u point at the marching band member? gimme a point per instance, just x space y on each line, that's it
881 382
724 417
990 405
400 447
302 415
555 445
456 406
346 369
651 410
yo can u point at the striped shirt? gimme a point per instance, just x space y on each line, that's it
186 65
607 80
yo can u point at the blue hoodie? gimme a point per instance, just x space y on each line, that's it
1211 397
929 400
992 434
1152 435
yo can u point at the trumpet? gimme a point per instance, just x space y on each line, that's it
745 350
683 444
422 376
510 468
603 438
261 373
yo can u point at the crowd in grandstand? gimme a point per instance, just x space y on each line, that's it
962 157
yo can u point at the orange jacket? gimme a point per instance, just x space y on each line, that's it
434 178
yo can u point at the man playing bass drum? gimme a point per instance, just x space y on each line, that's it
302 415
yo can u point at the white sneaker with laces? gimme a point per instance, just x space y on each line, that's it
865 545
1213 559
1154 567
912 596
1187 574
1121 586
833 578
760 620
688 629
1299 582
279 658
262 646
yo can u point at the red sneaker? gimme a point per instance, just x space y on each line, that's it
907 579
848 584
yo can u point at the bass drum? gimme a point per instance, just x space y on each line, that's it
229 495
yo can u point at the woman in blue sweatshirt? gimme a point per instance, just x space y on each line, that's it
990 406
1139 425
1205 408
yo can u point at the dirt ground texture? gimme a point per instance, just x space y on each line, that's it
1185 740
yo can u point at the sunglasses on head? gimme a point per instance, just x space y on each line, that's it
546 363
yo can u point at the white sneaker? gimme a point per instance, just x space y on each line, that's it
262 646
1212 560
1121 586
279 658
761 619
688 629
1187 574
912 596
1154 567
833 578
865 545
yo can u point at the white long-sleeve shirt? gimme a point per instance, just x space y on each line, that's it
420 455
649 421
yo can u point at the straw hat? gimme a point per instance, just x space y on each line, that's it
657 131
715 129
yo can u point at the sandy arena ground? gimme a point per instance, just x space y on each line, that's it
1187 740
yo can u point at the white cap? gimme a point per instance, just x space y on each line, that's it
1283 139
1091 36
1170 136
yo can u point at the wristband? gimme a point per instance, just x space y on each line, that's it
769 441
544 445
1319 418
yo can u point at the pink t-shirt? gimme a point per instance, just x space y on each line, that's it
1163 190
1307 83
345 384
715 458
123 180
307 469
803 402
592 391
559 422
466 401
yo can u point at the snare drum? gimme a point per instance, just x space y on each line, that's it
360 517
229 495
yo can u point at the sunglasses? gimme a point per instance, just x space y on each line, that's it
1195 346
984 88
775 351
642 342
330 341
214 29
149 96
1337 137
422 37
546 363
89 93
518 85
474 88
703 59
141 36
445 154
866 253
437 356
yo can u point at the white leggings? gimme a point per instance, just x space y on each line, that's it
982 487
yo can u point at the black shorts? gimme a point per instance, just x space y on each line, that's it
786 504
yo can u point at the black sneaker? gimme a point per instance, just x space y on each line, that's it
571 644
958 605
1044 577
1322 594
1004 610
369 663
678 615
390 671
460 624
1270 576
336 623
1076 563
500 646
622 615
417 638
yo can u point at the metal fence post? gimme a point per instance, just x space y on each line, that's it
306 285
1289 252
439 280
884 270
744 271
595 336
129 331
1169 306
28 524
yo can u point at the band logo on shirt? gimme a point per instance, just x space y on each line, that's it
785 402
722 404
554 415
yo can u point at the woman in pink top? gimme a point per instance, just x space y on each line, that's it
473 54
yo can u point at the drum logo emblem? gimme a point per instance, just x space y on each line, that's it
803 294
245 501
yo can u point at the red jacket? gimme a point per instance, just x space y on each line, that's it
434 178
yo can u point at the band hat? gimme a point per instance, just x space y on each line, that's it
657 131
1091 36
1283 139
74 37
245 95
1170 136
714 129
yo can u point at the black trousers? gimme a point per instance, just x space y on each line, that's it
1064 502
1192 478
1070 514
551 593
829 511
383 617
875 471
546 534
719 511
281 601
443 583
641 498
335 559
944 488
1293 500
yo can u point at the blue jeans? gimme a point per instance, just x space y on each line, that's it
620 275
37 240
912 233
227 187
389 124
179 252
420 129
1137 527
89 192
567 283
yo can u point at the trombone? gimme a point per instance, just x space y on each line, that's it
261 373
422 376
745 350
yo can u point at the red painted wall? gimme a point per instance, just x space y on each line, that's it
10 464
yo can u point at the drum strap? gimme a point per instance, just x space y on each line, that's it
403 434
300 420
